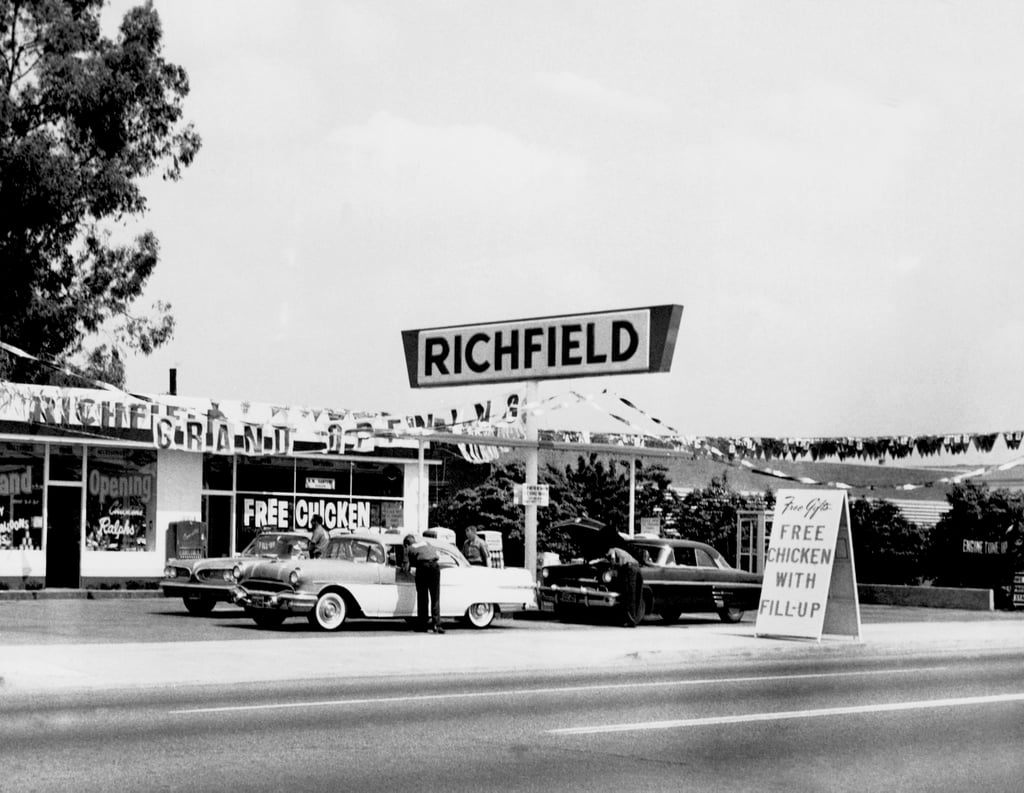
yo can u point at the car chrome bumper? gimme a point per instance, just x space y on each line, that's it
548 597
173 589
296 602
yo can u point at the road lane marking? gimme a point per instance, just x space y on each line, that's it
549 690
789 714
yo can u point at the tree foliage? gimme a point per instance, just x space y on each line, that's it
709 514
994 518
83 119
591 487
488 504
887 548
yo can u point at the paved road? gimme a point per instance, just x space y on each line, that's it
830 724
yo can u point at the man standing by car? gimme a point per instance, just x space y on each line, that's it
630 585
318 542
425 558
475 549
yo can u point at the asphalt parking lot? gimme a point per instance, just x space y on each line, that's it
150 617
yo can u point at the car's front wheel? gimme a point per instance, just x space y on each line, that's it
730 614
330 611
199 606
480 615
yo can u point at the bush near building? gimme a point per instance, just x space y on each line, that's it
887 548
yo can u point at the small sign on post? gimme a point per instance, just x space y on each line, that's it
651 526
1018 589
810 582
530 495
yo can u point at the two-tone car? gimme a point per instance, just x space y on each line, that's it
362 575
679 576
203 583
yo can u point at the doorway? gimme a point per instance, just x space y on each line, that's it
217 517
63 536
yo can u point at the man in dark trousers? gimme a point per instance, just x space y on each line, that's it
630 585
425 558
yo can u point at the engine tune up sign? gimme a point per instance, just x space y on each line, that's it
544 348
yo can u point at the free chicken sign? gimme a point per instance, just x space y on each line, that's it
810 583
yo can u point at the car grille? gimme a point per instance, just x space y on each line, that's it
265 585
214 576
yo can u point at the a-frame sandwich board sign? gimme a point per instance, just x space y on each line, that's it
810 582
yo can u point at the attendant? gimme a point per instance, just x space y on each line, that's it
422 556
475 549
630 585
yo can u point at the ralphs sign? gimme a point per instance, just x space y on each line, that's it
625 341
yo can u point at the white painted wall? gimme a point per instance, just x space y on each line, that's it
18 563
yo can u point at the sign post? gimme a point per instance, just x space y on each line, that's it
597 343
530 519
810 582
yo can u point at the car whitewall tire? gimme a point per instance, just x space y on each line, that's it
330 611
481 615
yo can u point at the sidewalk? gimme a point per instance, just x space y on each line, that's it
514 646
77 594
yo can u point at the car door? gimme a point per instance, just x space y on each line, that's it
358 565
692 592
397 587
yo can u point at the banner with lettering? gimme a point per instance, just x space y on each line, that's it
810 582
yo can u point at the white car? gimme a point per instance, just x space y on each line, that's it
360 575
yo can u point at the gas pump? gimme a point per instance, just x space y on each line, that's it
753 530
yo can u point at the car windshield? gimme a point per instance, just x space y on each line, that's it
277 545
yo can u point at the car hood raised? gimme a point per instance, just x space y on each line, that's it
593 537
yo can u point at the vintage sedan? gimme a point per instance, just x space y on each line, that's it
203 583
678 576
361 575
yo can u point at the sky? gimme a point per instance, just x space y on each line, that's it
834 192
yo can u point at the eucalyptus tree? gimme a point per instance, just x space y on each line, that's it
84 119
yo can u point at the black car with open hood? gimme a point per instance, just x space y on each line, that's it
678 576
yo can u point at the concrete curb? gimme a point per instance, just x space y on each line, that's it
78 594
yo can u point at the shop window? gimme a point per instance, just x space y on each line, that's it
218 472
269 475
120 507
323 477
66 463
373 479
21 496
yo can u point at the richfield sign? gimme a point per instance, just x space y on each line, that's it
626 341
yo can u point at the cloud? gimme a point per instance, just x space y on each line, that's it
392 166
587 90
